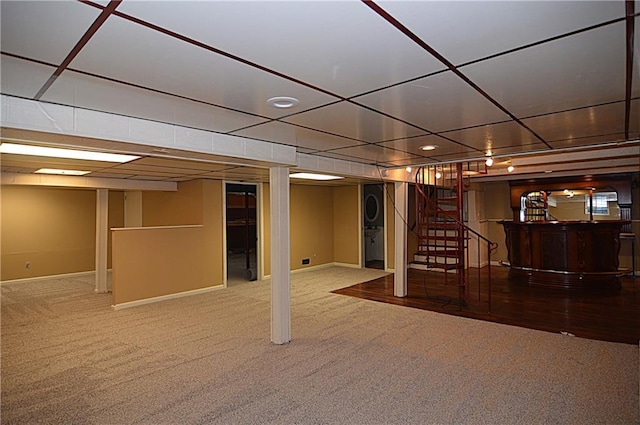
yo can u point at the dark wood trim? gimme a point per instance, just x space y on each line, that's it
630 24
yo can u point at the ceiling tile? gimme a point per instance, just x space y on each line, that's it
353 121
289 134
44 30
586 122
489 137
468 30
497 152
83 91
437 103
584 69
132 53
22 78
413 145
371 154
360 51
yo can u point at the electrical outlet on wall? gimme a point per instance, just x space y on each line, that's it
27 265
305 261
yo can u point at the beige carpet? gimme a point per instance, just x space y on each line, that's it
67 358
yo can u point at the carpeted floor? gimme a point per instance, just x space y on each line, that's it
67 358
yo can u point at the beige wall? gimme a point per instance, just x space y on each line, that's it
153 262
346 225
324 225
195 202
497 206
212 219
53 229
311 215
174 208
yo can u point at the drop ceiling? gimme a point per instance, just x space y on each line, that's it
375 80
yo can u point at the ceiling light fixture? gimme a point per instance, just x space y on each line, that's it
64 153
312 176
61 172
283 102
510 168
489 162
438 175
408 169
429 147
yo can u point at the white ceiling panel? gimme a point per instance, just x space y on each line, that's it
349 120
370 154
489 137
497 152
444 146
437 103
132 53
463 31
359 51
44 30
583 69
369 90
587 122
84 91
289 134
23 78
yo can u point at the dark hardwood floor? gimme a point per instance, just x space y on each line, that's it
607 316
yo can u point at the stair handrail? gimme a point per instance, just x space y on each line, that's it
493 245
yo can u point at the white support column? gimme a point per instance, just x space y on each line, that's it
102 235
400 275
280 248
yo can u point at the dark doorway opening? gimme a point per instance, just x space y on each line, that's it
242 241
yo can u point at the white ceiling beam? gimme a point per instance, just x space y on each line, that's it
18 179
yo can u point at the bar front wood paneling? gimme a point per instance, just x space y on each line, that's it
565 254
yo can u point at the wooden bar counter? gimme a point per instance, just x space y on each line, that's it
571 255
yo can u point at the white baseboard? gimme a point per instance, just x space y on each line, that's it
351 266
49 277
165 297
319 267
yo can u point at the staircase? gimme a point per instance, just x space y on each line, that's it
443 238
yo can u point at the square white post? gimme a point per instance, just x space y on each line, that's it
102 235
280 248
400 274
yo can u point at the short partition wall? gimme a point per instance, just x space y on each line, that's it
155 263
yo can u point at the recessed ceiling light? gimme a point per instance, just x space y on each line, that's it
283 102
311 176
61 172
64 153
429 147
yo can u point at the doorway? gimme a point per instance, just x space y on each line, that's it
241 230
373 226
